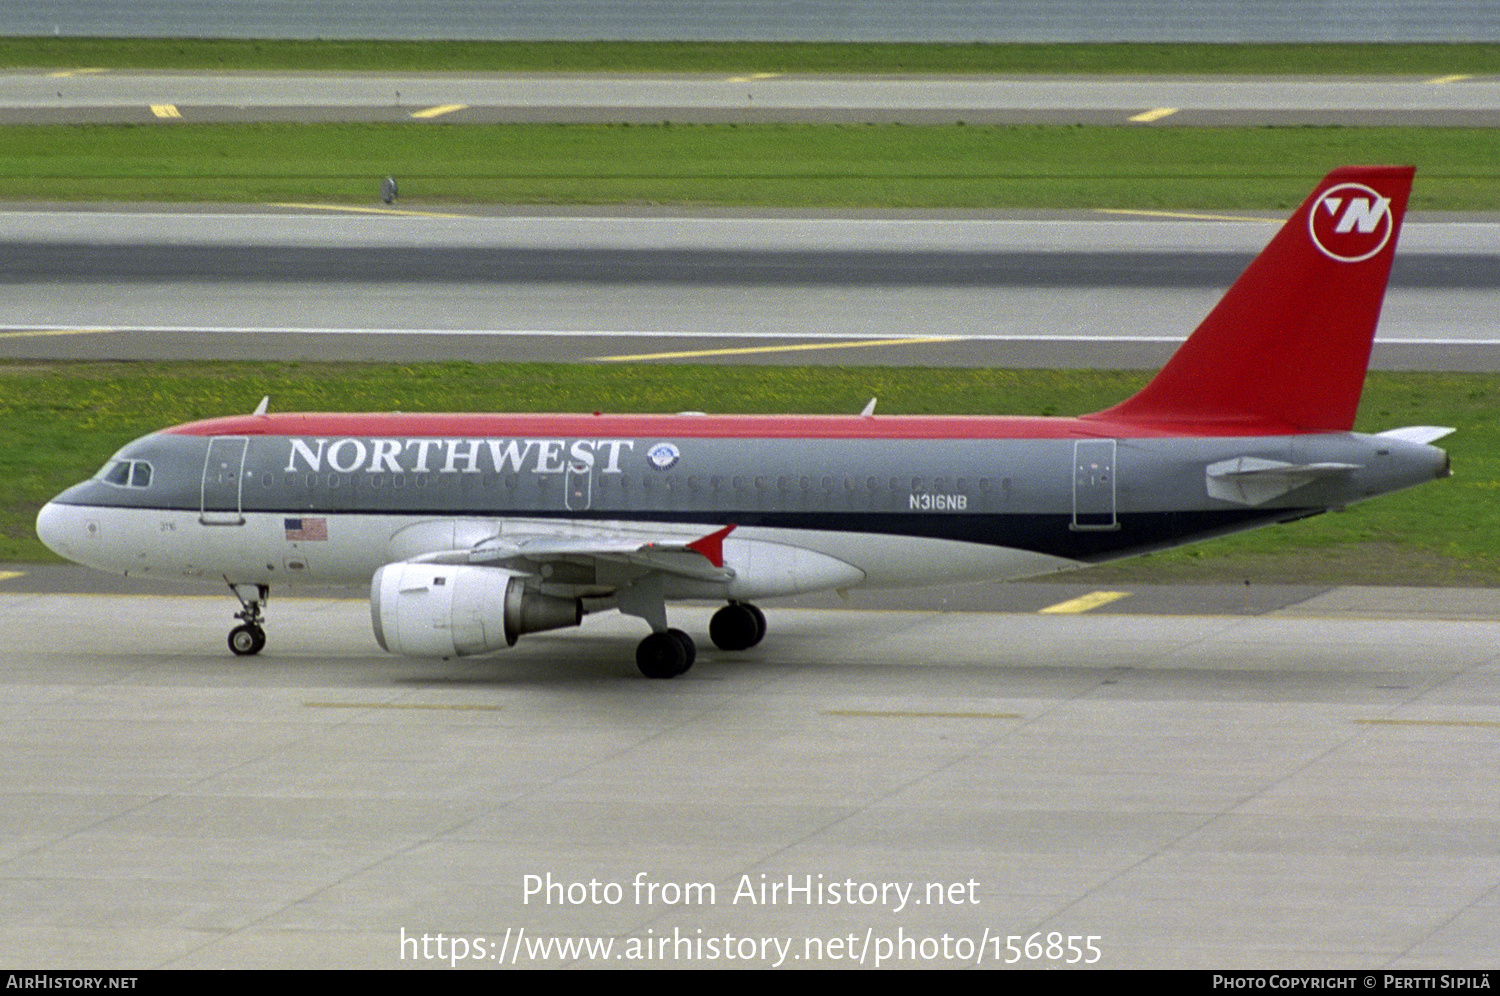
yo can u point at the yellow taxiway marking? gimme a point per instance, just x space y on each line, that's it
1189 216
439 111
1455 78
402 705
1428 722
689 353
1083 603
910 714
1155 114
8 575
24 333
65 73
753 77
366 210
166 110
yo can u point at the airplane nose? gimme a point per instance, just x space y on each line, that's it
52 524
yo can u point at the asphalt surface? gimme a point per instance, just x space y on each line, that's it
87 95
1008 289
1306 788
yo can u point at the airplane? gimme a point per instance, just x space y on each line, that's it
475 529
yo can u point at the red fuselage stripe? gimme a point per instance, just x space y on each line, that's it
719 426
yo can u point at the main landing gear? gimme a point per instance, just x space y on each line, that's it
670 652
249 639
737 626
666 654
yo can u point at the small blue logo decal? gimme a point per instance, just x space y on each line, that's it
663 456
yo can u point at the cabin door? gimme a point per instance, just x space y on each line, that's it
224 481
1094 485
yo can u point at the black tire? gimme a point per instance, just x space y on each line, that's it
687 645
737 626
760 621
662 655
247 640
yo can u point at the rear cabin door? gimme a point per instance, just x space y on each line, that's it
1094 485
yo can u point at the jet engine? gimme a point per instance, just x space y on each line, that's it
446 610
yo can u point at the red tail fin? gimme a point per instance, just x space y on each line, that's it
1288 345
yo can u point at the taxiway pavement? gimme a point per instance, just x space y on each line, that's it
85 95
1308 786
1032 289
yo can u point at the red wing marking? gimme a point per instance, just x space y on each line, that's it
712 545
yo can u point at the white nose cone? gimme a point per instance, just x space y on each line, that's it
60 527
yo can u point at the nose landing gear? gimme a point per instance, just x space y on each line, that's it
249 639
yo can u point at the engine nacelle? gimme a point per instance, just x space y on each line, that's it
448 610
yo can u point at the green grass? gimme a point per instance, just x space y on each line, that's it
797 165
745 57
60 421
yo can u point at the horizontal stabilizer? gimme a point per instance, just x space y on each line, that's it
1418 433
1255 480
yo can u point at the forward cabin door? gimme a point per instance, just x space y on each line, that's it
1094 485
223 481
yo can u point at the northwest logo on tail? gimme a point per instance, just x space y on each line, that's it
1350 222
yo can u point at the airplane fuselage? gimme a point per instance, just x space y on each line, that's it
845 501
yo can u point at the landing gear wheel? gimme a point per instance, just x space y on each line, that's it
760 621
665 655
737 626
247 640
687 645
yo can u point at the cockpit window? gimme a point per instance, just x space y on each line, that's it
127 474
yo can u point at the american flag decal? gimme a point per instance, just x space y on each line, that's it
306 529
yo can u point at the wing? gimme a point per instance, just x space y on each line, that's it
588 562
701 559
